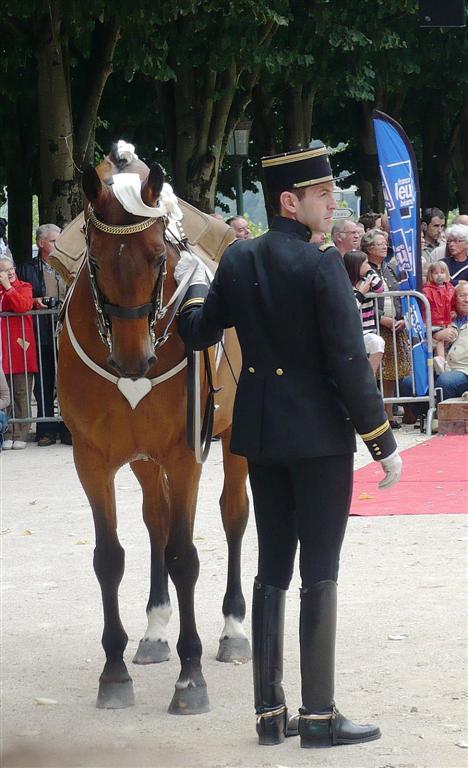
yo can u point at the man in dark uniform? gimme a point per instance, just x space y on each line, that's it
305 386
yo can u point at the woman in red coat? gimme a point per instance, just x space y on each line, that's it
18 346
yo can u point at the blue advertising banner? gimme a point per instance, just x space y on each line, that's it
401 193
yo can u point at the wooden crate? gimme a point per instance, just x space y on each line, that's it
453 417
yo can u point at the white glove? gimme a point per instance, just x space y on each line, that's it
392 467
188 263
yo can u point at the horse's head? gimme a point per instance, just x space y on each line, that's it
127 255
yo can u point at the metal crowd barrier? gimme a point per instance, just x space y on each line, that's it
399 398
43 330
51 323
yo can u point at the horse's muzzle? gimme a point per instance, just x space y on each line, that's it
139 369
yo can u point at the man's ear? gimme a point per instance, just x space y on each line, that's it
423 226
289 201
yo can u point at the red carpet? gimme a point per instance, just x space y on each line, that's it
434 481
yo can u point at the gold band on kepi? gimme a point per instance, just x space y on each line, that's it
294 156
297 169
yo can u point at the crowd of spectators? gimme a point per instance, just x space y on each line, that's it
28 352
368 258
28 347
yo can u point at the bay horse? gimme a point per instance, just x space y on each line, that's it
123 396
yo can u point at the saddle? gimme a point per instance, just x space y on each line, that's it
207 237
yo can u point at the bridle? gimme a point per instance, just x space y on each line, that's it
199 429
154 309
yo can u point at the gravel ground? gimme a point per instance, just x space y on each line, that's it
401 636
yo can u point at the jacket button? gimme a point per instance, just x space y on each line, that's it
279 371
251 369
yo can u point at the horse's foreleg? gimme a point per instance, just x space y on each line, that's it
115 684
153 647
233 643
190 695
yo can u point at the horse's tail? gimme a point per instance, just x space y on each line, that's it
122 154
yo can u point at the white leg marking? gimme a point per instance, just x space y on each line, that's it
158 619
232 628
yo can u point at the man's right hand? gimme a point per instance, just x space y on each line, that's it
37 303
392 467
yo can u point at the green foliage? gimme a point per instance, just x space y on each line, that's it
255 227
351 55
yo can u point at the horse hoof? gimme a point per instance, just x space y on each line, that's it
152 652
115 695
192 700
234 650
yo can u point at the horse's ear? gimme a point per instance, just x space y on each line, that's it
92 185
151 188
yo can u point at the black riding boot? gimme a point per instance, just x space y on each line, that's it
320 723
267 661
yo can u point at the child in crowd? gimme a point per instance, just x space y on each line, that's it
439 292
364 280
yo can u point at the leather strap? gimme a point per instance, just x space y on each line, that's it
206 430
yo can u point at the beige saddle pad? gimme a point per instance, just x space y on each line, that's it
208 237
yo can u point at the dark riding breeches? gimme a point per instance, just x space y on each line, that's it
305 500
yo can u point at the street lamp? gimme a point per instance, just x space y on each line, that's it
237 148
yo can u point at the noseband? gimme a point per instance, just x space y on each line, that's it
154 310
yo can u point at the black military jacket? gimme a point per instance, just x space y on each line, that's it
305 382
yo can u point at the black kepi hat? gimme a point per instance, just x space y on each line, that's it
297 169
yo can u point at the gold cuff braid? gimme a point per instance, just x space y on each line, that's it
377 432
198 300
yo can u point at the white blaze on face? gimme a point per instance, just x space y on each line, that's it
232 628
158 619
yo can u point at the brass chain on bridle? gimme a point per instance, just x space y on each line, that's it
154 310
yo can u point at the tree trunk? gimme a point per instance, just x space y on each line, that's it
436 165
263 124
459 158
200 129
298 106
370 186
293 118
205 106
19 183
308 100
100 67
18 152
55 120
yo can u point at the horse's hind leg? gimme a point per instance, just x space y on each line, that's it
153 647
190 695
233 643
115 684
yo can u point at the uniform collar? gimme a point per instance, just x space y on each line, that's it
291 227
